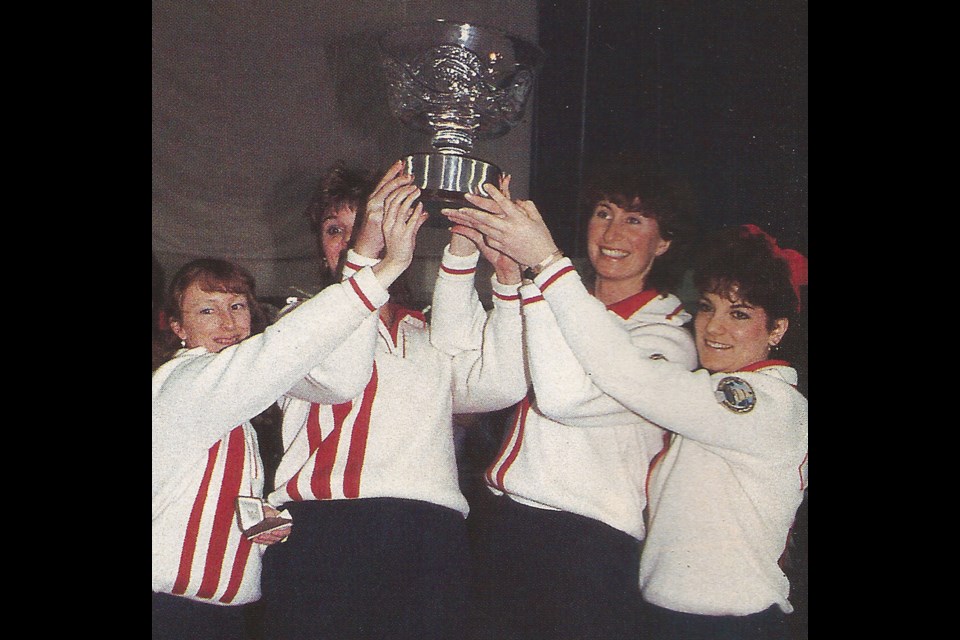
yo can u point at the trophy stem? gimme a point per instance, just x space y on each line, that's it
454 132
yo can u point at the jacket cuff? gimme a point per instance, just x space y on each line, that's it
458 267
504 292
371 293
353 262
559 269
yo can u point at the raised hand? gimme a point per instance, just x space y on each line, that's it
512 227
394 184
402 218
465 241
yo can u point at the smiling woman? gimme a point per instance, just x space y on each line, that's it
570 476
212 304
724 494
213 319
224 370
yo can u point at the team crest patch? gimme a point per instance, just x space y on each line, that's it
736 394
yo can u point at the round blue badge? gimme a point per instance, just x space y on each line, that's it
736 394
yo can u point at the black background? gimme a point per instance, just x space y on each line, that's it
715 90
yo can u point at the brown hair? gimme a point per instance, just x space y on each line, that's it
342 186
636 184
731 261
210 274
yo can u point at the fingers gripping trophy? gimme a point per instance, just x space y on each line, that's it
460 83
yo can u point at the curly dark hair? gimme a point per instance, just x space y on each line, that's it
735 262
636 184
344 186
210 274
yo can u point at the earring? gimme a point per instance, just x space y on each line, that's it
775 346
183 343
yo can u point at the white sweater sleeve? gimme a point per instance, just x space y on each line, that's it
343 374
215 392
457 316
492 376
667 393
565 391
485 347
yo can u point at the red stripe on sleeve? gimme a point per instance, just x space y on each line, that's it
223 517
532 299
360 294
193 525
553 278
675 311
515 296
358 440
458 272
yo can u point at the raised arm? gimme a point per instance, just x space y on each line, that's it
219 391
458 316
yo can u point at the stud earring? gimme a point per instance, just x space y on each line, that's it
183 343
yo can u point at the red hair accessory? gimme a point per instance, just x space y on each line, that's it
796 261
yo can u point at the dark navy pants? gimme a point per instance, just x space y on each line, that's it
542 575
176 618
665 624
372 568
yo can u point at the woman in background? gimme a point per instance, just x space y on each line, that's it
380 549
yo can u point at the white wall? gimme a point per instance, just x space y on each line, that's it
252 100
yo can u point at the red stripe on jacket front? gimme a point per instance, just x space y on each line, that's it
667 436
518 424
358 440
327 453
193 525
239 566
223 518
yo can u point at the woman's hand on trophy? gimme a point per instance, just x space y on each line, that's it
466 240
403 217
393 185
512 227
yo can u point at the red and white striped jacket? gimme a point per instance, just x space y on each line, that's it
205 451
570 446
396 438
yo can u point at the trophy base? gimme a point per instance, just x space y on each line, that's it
444 178
447 172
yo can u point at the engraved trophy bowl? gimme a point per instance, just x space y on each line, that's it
460 83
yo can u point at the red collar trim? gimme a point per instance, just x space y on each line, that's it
763 364
629 306
399 314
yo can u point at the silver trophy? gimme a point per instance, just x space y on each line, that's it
460 83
